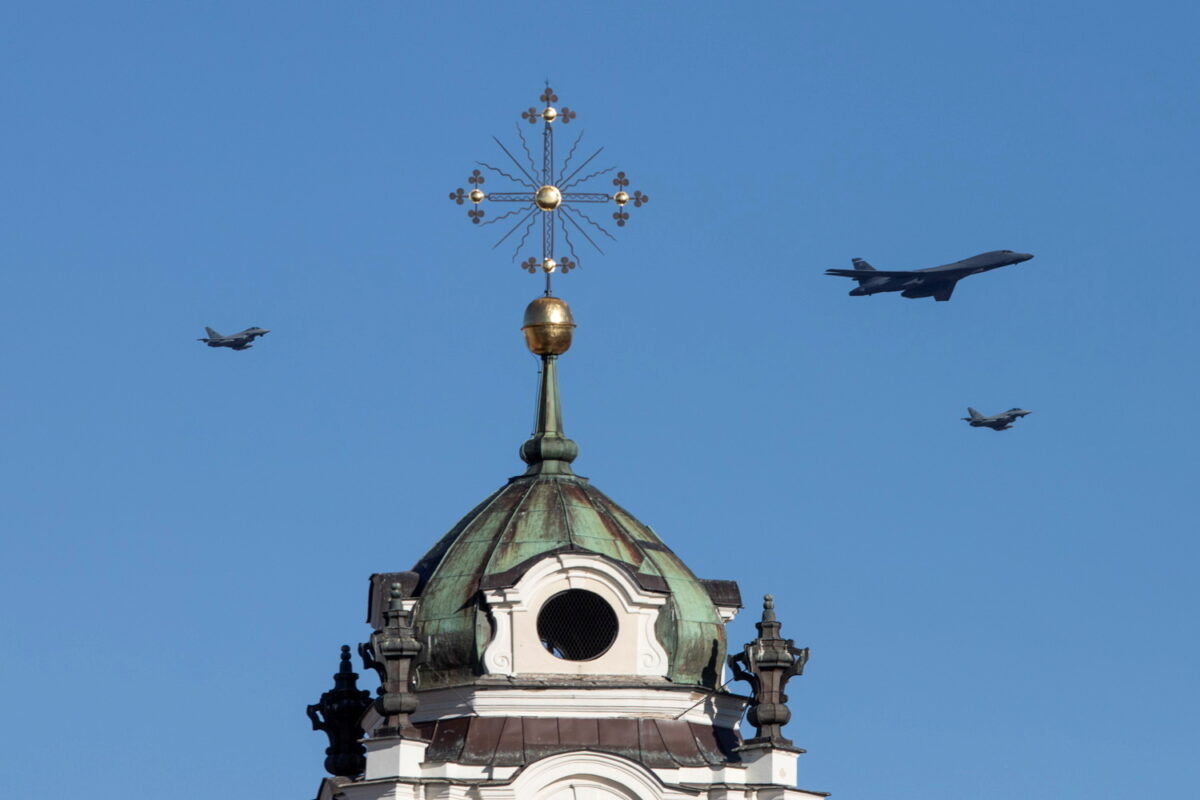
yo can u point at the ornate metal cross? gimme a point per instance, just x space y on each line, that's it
551 193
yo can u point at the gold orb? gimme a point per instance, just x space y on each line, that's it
621 198
476 195
550 114
549 265
548 198
548 325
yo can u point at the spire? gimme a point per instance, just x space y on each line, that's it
553 195
769 627
548 328
339 713
767 664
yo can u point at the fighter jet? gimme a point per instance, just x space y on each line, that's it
237 341
997 422
935 282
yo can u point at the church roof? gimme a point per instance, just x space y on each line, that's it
514 741
533 517
547 511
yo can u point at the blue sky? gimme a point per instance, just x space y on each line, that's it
188 532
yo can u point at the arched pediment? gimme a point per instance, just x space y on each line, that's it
521 615
586 776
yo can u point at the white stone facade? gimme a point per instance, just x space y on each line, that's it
395 771
397 768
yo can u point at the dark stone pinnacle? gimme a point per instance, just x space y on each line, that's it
767 664
339 714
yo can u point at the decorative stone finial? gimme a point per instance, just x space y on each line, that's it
767 664
391 652
769 627
339 714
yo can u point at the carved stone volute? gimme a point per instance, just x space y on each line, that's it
767 664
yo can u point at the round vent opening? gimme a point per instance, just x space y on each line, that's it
577 625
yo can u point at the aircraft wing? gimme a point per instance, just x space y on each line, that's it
871 273
949 272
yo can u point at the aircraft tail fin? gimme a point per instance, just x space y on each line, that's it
212 334
974 414
861 265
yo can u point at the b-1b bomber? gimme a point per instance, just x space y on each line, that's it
935 282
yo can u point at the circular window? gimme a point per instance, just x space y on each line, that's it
577 625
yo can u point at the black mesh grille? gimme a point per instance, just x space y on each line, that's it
577 625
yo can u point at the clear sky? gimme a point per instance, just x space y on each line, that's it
187 532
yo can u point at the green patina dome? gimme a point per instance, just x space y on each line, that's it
547 511
536 516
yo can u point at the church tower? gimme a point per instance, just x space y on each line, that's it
550 646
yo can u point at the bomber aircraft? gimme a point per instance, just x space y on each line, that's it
935 282
997 422
237 341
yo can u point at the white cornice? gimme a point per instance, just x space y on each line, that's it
727 613
719 710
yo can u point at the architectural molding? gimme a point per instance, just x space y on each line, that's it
770 765
586 776
394 757
396 772
707 708
727 613
516 648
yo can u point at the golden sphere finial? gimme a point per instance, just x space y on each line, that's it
477 196
548 325
548 198
550 114
621 197
549 265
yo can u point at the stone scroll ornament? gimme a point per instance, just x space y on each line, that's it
339 714
767 664
391 653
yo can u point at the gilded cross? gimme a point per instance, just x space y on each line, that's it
553 193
